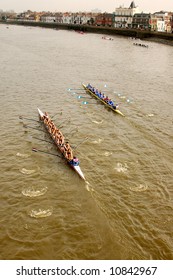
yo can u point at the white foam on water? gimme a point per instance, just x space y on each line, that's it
140 188
107 154
22 155
27 171
34 191
41 213
121 167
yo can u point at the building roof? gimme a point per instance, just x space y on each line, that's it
132 5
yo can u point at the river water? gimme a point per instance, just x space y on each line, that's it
124 210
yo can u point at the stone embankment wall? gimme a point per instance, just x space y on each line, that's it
161 37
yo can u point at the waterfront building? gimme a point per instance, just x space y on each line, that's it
48 17
160 25
66 18
124 16
59 17
142 21
77 18
105 19
166 19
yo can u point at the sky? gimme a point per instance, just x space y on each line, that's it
83 5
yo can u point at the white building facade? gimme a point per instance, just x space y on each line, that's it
124 16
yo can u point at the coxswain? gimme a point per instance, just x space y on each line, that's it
115 106
74 161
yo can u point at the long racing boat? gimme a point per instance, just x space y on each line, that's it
105 103
73 164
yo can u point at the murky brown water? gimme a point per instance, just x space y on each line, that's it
125 210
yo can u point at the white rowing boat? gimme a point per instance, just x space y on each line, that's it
107 105
75 167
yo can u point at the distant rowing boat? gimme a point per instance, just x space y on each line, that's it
106 104
75 167
140 45
107 38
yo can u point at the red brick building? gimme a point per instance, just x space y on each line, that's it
105 20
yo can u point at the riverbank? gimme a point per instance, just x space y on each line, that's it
159 37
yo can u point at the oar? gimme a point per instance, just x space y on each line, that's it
81 143
27 126
36 150
56 114
63 122
69 89
86 102
80 96
71 131
51 142
21 118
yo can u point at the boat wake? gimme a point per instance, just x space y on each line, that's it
140 188
33 191
40 213
88 187
22 155
27 171
121 168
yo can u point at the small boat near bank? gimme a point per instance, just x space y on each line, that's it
104 102
73 164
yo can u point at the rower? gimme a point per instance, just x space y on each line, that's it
55 132
45 119
53 129
67 145
110 102
88 86
50 125
96 92
69 155
58 133
61 140
93 89
68 151
106 99
101 95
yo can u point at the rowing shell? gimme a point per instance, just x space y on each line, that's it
109 106
76 168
